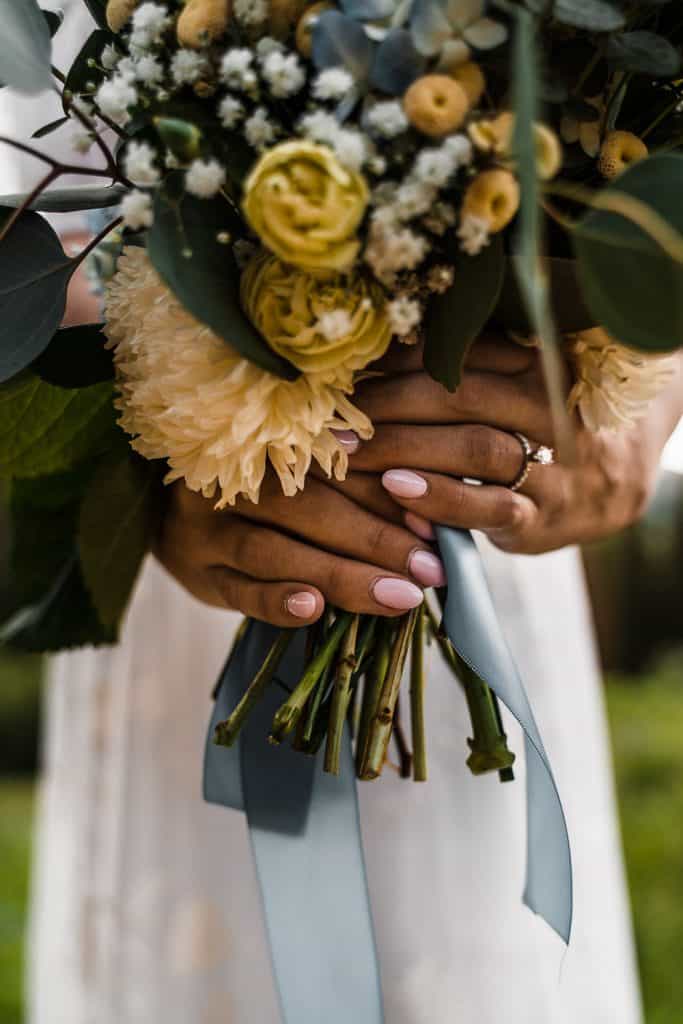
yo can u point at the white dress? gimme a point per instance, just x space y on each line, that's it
145 902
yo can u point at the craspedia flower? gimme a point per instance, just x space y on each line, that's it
203 21
493 196
618 152
320 325
305 206
186 396
614 384
436 105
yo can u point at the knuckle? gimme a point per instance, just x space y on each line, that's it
381 539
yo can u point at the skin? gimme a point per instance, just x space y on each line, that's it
344 537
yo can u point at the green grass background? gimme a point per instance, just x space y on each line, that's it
646 717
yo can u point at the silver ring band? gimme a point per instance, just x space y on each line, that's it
542 456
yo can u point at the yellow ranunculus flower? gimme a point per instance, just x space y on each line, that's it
319 324
305 206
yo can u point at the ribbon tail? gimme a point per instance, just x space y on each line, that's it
472 625
304 827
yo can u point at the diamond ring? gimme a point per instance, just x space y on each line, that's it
541 455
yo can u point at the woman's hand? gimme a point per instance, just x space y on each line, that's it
427 441
281 560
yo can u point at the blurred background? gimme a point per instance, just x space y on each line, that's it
636 583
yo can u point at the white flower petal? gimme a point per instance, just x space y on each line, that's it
485 34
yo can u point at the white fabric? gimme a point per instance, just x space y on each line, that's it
145 901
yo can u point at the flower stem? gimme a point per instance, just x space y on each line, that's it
405 757
417 692
287 716
374 681
341 694
227 732
383 720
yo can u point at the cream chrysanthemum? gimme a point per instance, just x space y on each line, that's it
614 384
188 397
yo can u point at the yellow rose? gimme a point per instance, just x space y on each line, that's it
305 206
321 325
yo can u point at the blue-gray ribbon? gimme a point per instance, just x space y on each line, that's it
305 828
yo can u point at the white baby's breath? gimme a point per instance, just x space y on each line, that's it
149 70
335 324
139 163
230 111
387 119
187 67
136 210
250 13
149 22
259 129
284 73
459 148
474 234
435 166
236 68
404 315
114 97
332 84
109 57
204 178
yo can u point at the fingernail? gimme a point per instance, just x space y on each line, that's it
404 484
397 594
427 569
349 439
419 525
302 605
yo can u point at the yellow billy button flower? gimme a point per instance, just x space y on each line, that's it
436 105
304 29
496 136
320 325
202 22
306 207
618 152
119 13
470 76
493 197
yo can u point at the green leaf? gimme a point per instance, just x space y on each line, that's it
71 200
594 15
34 275
46 429
643 52
202 273
116 523
54 21
456 318
181 137
76 358
48 606
631 285
25 46
47 129
80 74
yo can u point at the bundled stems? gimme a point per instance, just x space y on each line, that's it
383 719
288 715
227 732
341 694
417 693
374 680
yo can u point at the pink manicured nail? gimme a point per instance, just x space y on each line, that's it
397 594
427 569
419 525
302 605
404 484
349 439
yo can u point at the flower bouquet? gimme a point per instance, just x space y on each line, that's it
295 187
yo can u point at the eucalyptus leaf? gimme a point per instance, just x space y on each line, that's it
368 10
81 76
54 21
72 199
456 318
566 300
46 429
397 63
339 41
643 52
34 275
25 46
115 528
593 15
47 129
631 285
202 273
76 358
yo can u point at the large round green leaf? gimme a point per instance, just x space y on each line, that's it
569 309
34 274
643 52
25 46
201 271
633 287
456 318
593 15
71 199
76 358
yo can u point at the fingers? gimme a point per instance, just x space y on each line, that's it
327 519
280 604
468 450
450 502
505 402
269 556
491 353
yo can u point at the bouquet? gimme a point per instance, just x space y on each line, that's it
295 187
